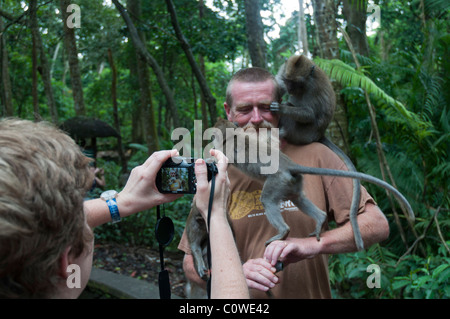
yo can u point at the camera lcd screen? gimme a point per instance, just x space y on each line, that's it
175 179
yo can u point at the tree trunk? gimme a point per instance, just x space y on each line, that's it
123 160
355 14
137 128
142 50
201 8
72 54
6 81
325 20
34 66
209 98
255 33
147 120
55 56
44 65
302 32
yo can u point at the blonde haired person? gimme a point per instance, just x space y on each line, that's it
45 225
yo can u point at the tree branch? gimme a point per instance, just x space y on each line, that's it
380 153
142 50
210 99
434 218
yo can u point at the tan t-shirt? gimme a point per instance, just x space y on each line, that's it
307 278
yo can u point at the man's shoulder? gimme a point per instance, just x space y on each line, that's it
314 154
311 148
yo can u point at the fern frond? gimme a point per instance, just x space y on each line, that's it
347 57
433 92
348 76
437 8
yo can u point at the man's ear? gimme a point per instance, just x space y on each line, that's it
227 110
64 261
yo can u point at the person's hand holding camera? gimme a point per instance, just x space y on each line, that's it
221 190
140 192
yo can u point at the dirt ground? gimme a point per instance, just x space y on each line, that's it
142 263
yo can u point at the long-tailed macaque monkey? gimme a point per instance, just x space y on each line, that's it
285 184
306 115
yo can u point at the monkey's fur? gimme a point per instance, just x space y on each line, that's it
307 114
197 236
285 184
311 101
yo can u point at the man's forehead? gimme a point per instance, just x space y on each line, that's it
241 104
238 83
261 89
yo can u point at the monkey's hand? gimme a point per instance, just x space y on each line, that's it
203 271
274 107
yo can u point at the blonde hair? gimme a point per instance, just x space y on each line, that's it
43 179
254 74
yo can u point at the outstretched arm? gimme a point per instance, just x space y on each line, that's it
139 194
228 281
373 225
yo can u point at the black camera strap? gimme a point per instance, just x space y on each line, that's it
208 251
164 232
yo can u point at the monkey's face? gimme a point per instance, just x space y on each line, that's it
295 85
251 103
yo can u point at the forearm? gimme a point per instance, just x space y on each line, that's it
97 211
228 279
372 224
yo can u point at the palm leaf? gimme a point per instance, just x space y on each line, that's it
436 8
347 76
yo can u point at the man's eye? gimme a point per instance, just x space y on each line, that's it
265 107
244 109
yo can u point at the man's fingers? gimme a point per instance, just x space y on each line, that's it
274 250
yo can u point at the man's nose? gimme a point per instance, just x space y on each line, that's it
256 116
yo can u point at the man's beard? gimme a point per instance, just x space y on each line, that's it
274 140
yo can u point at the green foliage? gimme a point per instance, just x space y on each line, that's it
405 77
429 278
347 76
414 277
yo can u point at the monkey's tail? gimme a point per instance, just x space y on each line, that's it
356 191
360 176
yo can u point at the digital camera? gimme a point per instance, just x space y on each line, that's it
177 176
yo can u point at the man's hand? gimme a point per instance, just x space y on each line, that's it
291 250
260 274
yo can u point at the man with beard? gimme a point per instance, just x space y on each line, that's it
305 274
